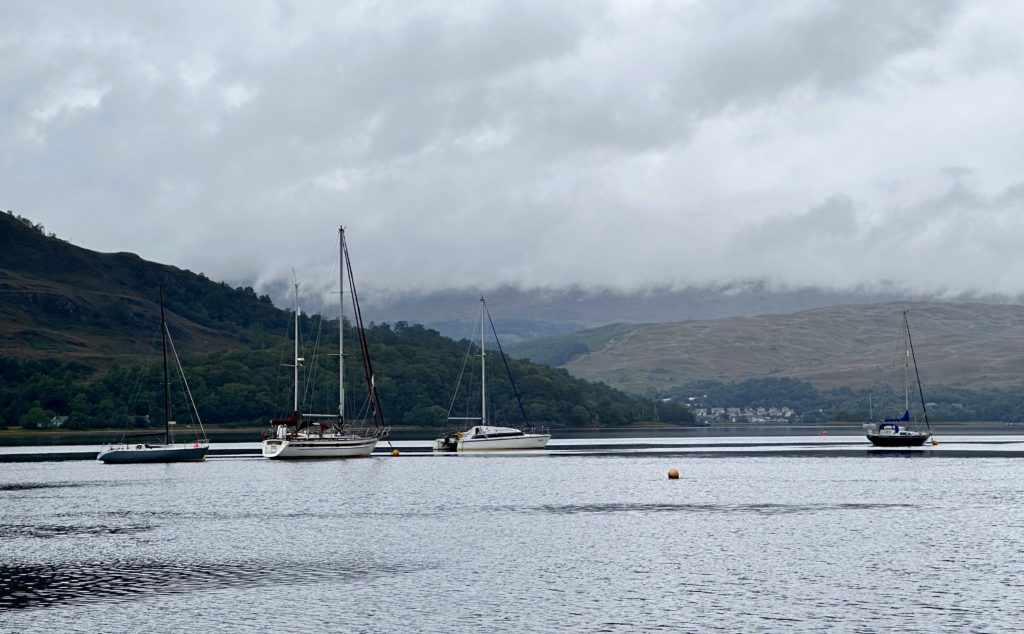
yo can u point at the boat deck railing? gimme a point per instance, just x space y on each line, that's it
369 432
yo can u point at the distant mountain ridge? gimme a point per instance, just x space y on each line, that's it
978 346
589 308
527 314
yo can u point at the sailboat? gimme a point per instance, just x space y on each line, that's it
329 435
903 431
483 436
126 450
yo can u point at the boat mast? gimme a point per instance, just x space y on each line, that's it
483 372
341 326
920 391
167 383
906 364
295 365
364 347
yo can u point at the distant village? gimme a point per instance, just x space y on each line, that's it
744 414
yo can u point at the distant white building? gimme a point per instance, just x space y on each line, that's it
53 423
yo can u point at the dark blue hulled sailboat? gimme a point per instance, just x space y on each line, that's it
127 450
902 431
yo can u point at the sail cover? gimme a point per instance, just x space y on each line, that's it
903 419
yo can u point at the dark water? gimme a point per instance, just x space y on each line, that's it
509 543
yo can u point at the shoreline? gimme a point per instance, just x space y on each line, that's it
950 445
15 437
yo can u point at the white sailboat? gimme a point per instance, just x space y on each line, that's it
136 448
303 436
482 436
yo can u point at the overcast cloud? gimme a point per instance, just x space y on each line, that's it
617 144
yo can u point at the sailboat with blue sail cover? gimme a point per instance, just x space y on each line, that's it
906 430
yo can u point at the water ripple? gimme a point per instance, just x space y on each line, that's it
24 586
30 486
61 530
763 509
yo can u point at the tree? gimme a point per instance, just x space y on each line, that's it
35 417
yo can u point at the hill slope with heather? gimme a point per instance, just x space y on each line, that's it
60 300
976 346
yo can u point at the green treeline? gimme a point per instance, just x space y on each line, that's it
416 371
945 403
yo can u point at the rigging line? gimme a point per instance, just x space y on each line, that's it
364 410
188 391
179 376
920 391
508 371
892 378
167 383
281 352
458 381
134 395
378 414
309 391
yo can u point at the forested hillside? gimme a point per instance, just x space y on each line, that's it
79 337
416 373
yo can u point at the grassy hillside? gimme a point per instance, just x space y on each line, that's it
977 346
562 349
57 299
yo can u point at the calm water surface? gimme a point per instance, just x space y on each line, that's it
514 543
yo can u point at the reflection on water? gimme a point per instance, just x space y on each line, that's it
35 586
763 509
56 530
30 486
513 544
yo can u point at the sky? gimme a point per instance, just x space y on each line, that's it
605 144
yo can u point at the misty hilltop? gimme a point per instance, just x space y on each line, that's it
523 314
585 307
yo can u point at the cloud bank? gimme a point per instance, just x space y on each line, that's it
607 144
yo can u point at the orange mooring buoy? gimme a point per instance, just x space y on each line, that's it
673 474
394 452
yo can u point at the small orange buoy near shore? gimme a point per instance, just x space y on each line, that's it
934 442
673 474
394 452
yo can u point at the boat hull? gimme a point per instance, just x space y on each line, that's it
133 454
898 440
509 443
492 438
278 449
